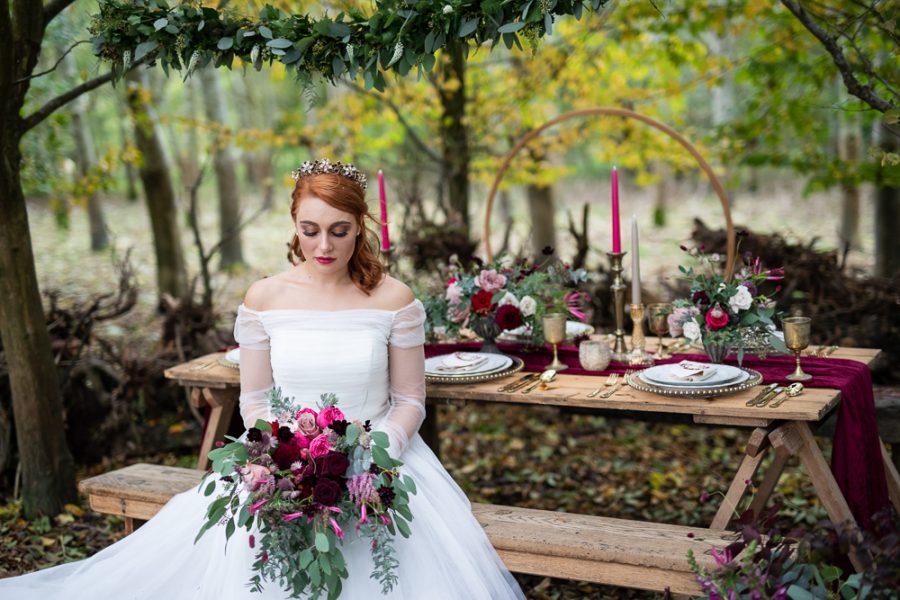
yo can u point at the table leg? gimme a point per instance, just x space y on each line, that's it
826 487
770 480
222 402
893 478
739 485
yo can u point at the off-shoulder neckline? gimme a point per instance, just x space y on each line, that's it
242 306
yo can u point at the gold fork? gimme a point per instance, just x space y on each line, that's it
610 381
608 393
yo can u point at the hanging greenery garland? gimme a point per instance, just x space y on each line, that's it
399 36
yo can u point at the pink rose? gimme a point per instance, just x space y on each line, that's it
716 318
306 422
490 280
679 317
254 476
300 440
320 446
329 414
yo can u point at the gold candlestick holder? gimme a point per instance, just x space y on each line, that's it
619 350
638 356
386 258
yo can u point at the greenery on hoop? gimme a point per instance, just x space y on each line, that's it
398 36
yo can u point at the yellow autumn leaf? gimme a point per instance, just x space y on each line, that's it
74 509
46 541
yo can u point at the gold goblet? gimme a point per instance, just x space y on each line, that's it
555 333
796 338
658 316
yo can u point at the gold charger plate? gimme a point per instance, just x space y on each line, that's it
709 391
515 367
228 363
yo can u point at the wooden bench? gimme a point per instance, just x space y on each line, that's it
602 550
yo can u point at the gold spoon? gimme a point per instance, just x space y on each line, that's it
546 377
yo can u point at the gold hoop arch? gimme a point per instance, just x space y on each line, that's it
616 112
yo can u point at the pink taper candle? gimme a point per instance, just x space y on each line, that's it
382 200
617 236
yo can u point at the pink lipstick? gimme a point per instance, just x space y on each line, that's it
324 260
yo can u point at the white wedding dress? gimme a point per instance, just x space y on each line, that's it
374 361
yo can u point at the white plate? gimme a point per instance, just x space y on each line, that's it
494 362
742 377
234 355
573 330
724 375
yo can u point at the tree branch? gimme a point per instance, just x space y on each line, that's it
48 109
56 64
53 8
864 92
406 125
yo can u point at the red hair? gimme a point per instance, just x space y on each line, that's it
366 271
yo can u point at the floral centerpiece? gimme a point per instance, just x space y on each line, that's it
504 296
726 315
304 479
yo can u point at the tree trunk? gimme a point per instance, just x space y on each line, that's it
85 159
226 180
171 276
125 140
887 207
543 224
661 193
454 135
48 472
849 142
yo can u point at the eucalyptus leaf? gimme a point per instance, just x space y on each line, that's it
160 24
143 49
467 26
225 43
322 542
511 27
265 32
380 438
280 43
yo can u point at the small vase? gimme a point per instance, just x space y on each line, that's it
488 330
716 351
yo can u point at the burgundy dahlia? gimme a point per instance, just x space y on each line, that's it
387 496
335 464
508 317
327 492
287 453
339 426
700 299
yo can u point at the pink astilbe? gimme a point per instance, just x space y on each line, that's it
361 489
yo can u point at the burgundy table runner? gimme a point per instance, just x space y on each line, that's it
856 459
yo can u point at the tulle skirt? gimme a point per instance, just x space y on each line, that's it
448 555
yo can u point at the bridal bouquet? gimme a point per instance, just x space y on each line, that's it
303 479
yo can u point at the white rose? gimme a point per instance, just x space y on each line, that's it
692 331
508 298
527 306
447 9
741 300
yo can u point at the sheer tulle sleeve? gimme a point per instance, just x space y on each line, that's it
256 367
406 355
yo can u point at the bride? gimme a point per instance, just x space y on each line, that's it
334 322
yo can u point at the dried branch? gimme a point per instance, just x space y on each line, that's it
866 93
56 64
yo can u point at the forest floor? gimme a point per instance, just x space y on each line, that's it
527 456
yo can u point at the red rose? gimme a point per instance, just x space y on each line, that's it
481 302
716 318
335 463
508 317
327 492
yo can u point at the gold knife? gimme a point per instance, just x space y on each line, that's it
765 391
521 382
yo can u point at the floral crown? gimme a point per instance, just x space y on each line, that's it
323 165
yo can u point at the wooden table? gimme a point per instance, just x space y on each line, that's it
212 384
787 430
